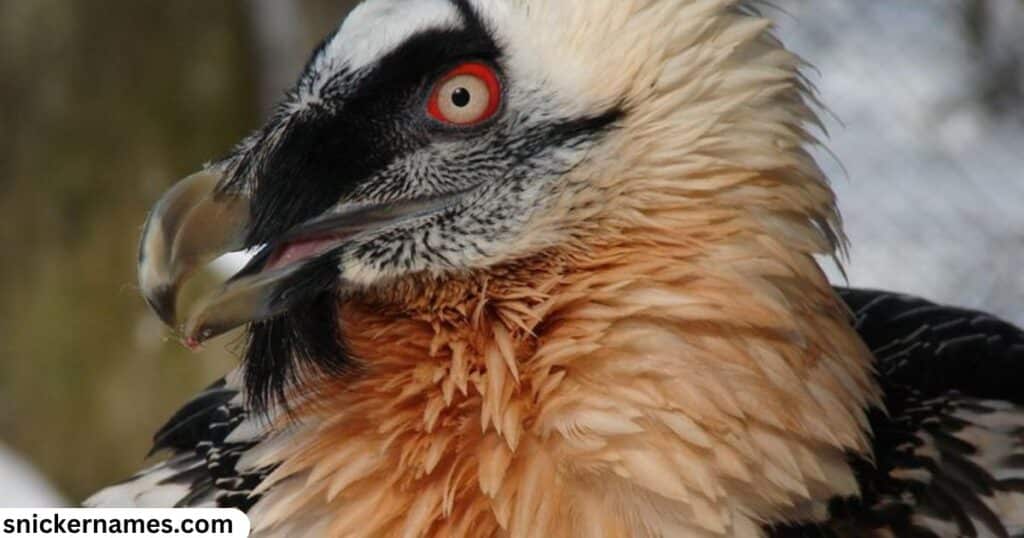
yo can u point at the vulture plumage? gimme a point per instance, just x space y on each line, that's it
548 268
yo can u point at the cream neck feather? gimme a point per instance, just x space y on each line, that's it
657 388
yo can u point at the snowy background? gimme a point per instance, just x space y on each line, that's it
928 121
927 150
23 486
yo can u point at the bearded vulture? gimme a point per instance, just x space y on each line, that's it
548 268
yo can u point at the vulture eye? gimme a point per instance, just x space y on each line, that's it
466 95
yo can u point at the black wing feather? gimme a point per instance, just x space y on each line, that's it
936 349
189 425
202 459
938 366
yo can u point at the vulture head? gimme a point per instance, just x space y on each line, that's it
425 140
491 212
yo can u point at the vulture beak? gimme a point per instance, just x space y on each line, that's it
195 222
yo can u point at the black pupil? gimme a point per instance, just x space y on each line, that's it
461 97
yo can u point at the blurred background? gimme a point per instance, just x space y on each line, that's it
104 104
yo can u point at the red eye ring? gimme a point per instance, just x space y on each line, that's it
467 95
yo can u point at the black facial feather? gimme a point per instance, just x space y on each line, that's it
584 129
306 162
303 163
307 342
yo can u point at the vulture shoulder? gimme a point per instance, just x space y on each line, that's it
949 450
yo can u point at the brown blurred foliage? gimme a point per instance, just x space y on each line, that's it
103 105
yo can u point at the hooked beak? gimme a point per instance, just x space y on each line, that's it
195 222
